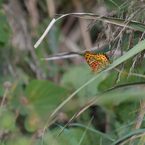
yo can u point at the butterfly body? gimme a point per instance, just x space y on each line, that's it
96 61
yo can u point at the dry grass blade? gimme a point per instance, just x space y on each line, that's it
60 57
116 21
77 114
45 33
63 55
86 129
66 55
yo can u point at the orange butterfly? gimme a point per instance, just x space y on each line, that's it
96 61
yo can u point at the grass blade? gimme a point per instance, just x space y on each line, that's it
135 50
128 136
116 21
92 130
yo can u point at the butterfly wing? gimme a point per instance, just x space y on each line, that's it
96 61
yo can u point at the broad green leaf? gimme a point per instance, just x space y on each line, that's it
72 80
44 95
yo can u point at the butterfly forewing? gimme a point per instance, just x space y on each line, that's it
96 61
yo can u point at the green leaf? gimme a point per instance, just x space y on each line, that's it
4 29
99 133
72 80
125 111
7 121
123 94
19 140
43 97
73 136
